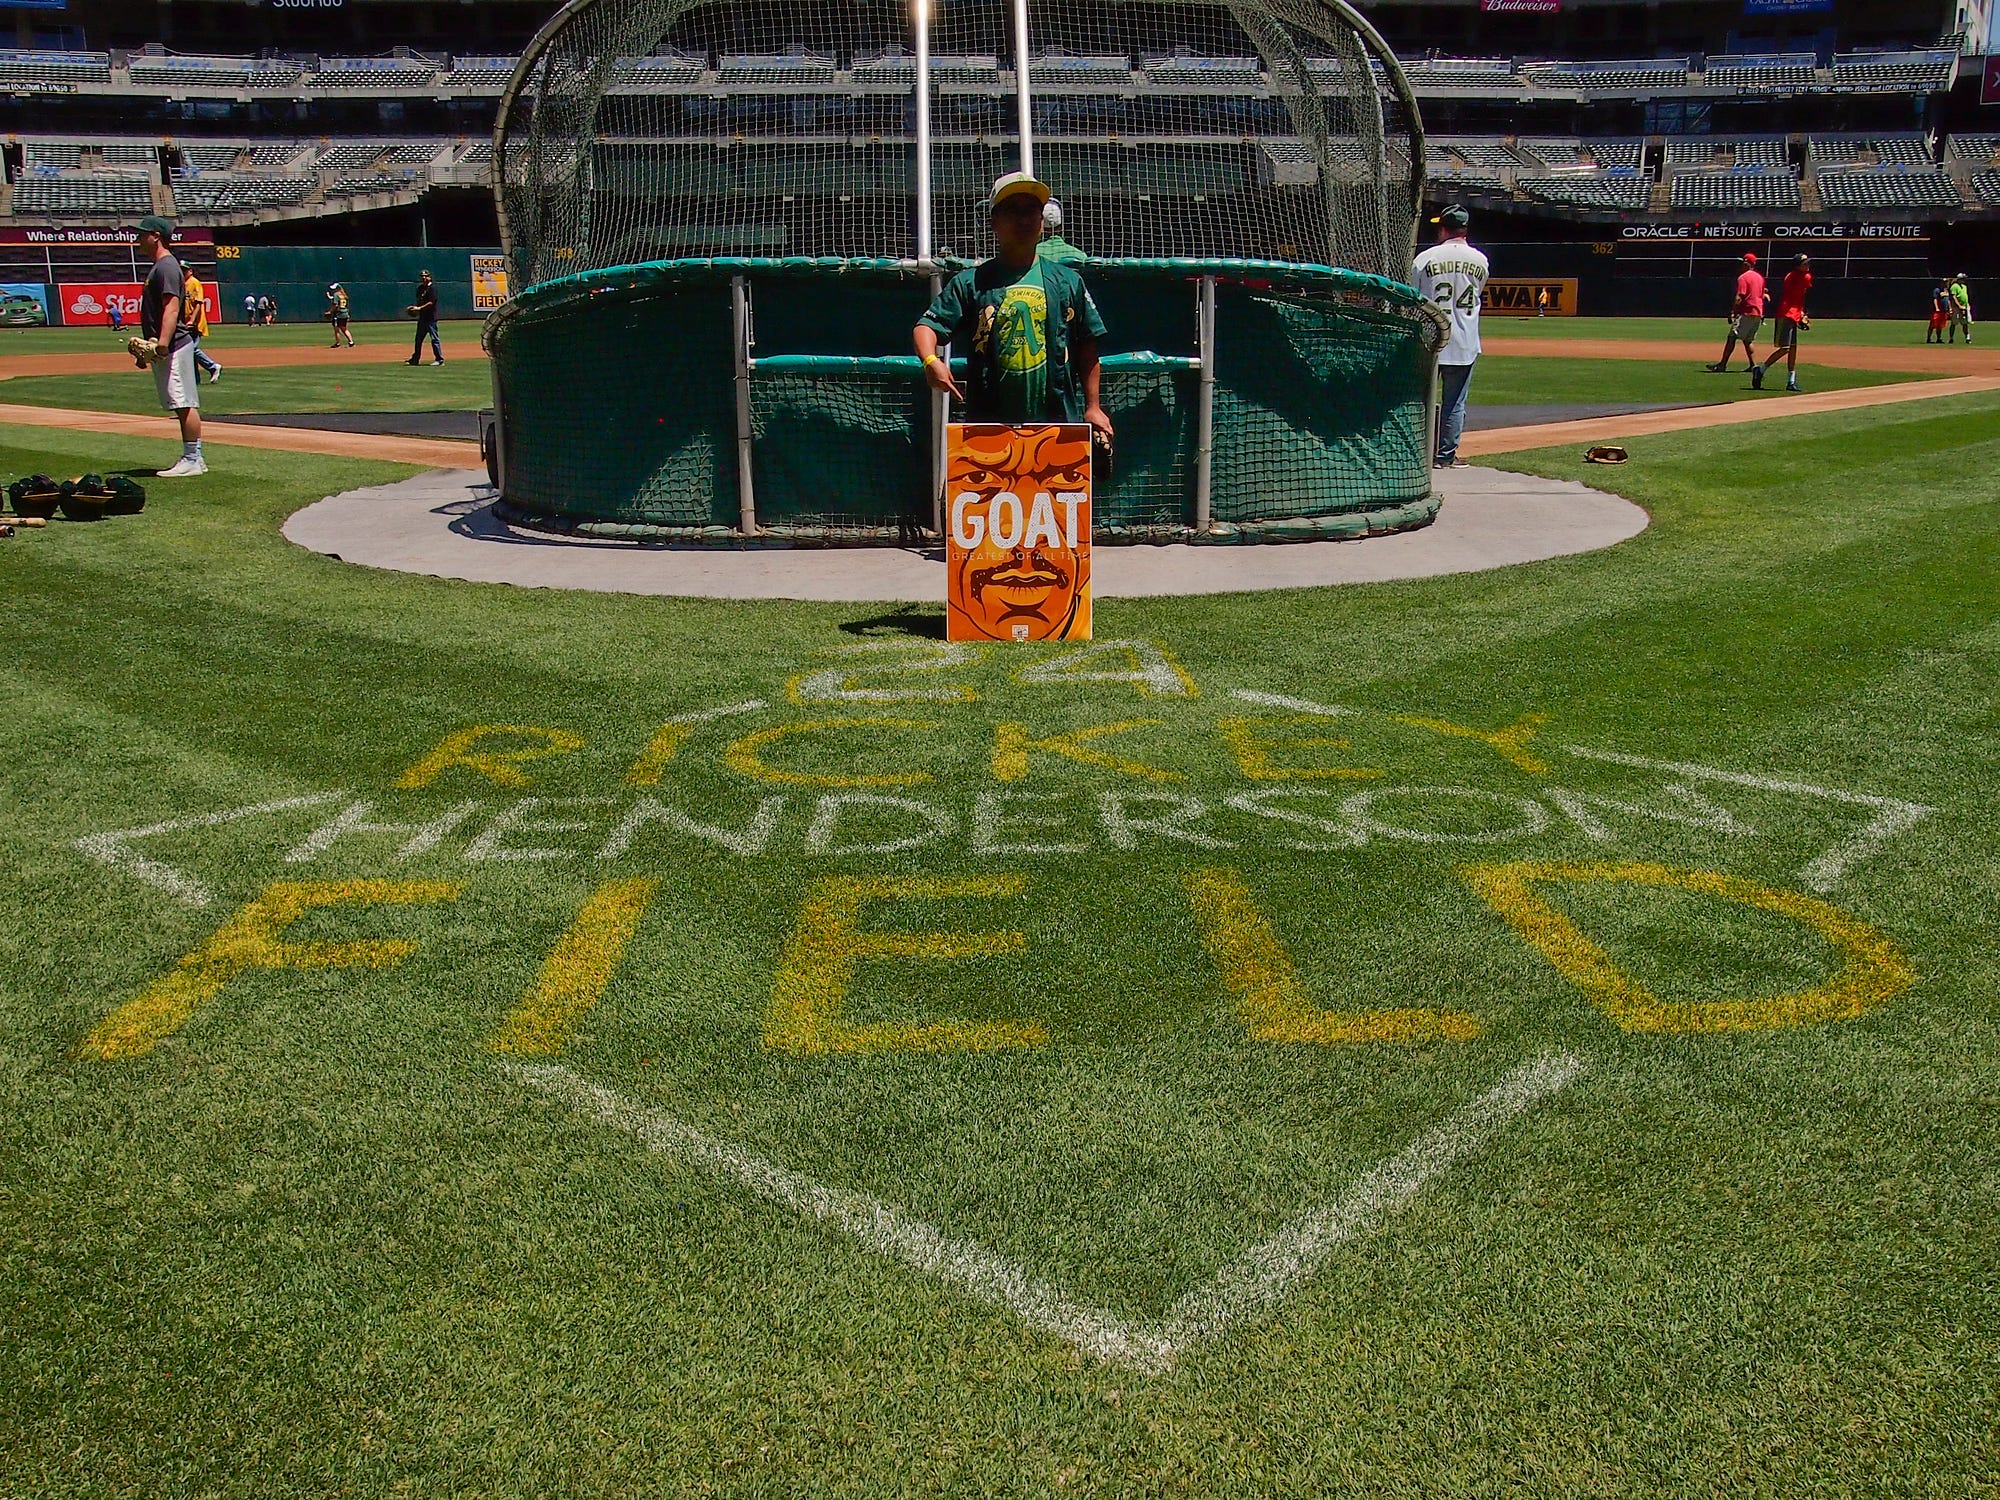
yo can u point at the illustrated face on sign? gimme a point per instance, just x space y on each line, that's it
1016 511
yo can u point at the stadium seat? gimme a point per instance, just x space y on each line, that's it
374 73
1610 77
478 73
1893 72
54 67
1203 72
1734 188
1783 73
82 196
1888 187
1625 191
222 193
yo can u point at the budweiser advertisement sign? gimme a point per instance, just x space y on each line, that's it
1521 7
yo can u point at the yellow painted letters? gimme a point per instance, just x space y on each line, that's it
1271 999
828 945
250 940
467 748
1874 970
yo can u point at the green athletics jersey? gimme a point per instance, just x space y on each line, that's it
1055 247
1015 328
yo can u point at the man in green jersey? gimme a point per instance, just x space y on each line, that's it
1053 245
1027 326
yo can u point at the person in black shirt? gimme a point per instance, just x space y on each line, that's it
160 320
425 311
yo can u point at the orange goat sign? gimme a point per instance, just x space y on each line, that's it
1017 533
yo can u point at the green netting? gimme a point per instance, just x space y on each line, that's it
636 130
617 400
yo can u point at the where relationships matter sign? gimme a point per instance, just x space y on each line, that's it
1017 532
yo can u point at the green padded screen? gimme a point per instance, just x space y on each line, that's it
617 401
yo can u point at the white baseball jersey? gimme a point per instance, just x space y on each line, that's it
1452 276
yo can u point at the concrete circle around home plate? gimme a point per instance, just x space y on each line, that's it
442 524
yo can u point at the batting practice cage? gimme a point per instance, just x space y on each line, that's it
723 220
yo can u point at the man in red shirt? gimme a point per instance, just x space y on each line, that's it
1791 319
1746 315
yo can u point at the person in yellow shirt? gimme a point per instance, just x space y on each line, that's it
195 299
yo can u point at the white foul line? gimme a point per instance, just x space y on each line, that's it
1279 700
880 1226
704 715
1822 873
1255 1283
1262 1276
111 848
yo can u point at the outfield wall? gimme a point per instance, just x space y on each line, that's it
380 281
1874 270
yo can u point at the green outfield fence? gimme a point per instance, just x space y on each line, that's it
379 280
777 400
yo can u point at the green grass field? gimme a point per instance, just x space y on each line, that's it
375 382
1015 1074
232 336
466 385
1875 332
372 383
1508 379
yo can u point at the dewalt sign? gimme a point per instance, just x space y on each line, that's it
1519 297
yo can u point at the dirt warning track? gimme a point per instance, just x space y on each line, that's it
432 453
1962 371
249 356
1594 430
1918 359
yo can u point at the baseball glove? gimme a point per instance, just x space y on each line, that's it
144 351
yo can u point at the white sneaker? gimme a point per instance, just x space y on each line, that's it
187 468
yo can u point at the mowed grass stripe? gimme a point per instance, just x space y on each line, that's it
313 1242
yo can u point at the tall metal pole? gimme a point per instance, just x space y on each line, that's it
1023 101
940 403
1204 442
922 20
746 489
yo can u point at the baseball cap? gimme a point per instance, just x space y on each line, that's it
1802 257
1749 257
1454 217
1014 184
154 224
1052 215
333 286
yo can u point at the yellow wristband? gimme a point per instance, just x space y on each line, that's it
931 359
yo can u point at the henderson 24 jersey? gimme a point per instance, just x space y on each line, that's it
1452 278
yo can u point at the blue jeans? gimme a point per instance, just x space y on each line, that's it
1452 383
430 331
208 366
